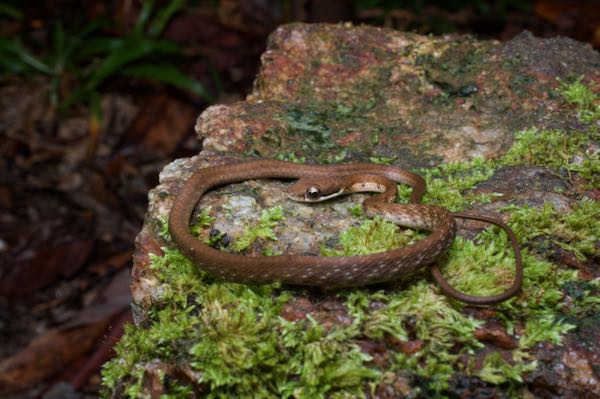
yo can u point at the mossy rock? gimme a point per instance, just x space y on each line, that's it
510 129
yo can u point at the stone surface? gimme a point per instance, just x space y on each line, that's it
337 93
328 92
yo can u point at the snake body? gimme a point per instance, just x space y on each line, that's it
328 272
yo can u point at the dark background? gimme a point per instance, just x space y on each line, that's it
96 97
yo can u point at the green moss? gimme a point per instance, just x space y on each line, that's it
357 108
382 160
485 268
576 231
290 157
554 149
356 210
178 391
375 139
480 269
238 339
262 230
163 230
216 239
587 102
234 336
496 370
269 252
369 237
164 340
447 183
584 296
233 333
417 313
336 157
324 360
545 328
311 127
203 221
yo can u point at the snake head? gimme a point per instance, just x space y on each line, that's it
315 189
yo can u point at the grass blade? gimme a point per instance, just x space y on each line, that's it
130 51
12 51
98 46
143 17
169 74
163 16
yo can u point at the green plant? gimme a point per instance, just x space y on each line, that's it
89 58
262 230
203 221
496 370
587 102
371 236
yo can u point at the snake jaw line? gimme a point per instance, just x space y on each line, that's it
321 198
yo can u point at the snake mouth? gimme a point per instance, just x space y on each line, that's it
306 198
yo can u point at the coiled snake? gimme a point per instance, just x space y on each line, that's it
321 182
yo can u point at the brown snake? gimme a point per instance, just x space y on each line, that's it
332 272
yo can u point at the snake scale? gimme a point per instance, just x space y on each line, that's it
332 272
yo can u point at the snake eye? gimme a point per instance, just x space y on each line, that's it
313 193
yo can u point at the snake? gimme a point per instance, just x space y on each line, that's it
316 183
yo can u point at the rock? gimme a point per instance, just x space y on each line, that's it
347 86
338 93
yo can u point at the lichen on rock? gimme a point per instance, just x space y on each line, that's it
510 129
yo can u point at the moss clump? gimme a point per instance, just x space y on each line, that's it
576 231
420 314
262 230
233 335
587 102
163 229
311 127
369 237
165 339
496 370
382 160
290 157
447 183
546 328
480 269
557 150
203 220
327 364
585 297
